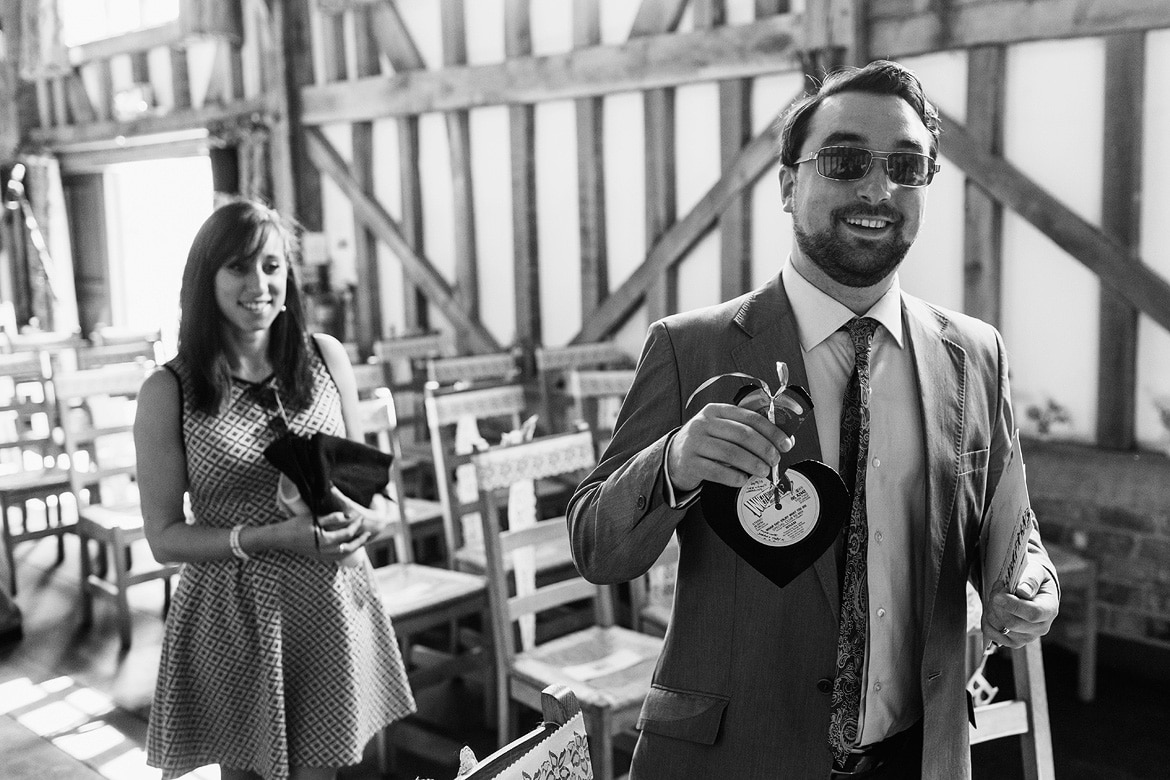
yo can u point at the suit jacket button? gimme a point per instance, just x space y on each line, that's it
825 685
641 502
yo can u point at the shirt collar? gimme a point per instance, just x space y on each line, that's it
819 315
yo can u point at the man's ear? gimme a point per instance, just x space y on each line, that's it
787 187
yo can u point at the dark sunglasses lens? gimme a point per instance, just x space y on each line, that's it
842 162
910 169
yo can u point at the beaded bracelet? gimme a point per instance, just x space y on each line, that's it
234 543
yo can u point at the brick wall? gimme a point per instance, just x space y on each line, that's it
1113 507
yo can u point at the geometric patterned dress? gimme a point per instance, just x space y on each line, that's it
281 659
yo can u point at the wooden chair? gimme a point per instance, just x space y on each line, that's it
608 666
1078 576
96 412
379 426
596 395
652 594
418 598
502 406
145 349
1025 716
560 736
553 365
29 472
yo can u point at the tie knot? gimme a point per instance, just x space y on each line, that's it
861 330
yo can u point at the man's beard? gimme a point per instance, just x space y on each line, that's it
852 264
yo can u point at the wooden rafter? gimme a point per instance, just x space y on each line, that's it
1116 267
750 164
895 33
416 267
763 47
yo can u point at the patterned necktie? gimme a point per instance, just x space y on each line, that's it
846 701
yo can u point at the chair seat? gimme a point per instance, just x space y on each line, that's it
606 667
102 521
554 555
36 483
409 589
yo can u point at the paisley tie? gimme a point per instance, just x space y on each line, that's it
846 701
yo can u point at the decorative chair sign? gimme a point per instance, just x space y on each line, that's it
782 523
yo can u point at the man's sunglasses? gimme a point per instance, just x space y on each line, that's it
848 163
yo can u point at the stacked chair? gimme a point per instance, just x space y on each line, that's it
558 405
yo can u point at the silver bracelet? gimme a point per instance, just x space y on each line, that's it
234 543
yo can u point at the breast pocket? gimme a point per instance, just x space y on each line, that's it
973 461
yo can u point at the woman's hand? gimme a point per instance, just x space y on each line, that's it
337 536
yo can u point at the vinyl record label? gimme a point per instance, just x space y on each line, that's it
778 525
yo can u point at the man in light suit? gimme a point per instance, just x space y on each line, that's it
745 687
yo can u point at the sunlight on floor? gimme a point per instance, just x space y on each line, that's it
71 716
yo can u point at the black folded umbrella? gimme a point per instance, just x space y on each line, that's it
318 462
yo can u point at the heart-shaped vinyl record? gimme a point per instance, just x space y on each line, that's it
779 541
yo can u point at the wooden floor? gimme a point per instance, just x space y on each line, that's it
73 706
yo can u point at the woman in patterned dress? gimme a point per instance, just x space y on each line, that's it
278 660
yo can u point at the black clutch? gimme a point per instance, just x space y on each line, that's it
316 463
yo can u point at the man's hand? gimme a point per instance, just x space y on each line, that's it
725 444
1027 614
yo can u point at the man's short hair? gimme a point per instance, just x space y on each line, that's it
880 77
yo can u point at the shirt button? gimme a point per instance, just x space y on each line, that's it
877 462
825 685
878 536
641 502
877 686
881 612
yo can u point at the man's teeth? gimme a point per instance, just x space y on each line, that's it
867 223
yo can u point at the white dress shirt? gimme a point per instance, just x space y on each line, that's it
895 485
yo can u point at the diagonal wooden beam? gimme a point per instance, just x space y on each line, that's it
763 47
655 17
1117 268
394 39
416 267
749 165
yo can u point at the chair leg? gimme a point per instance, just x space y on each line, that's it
86 574
8 545
599 724
1087 683
121 575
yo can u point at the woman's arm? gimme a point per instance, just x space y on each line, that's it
342 372
162 483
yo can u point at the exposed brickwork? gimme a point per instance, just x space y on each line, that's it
1114 508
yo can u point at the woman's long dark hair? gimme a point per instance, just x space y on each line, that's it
239 230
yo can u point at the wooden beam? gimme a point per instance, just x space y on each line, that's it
459 150
753 161
894 33
1117 268
590 171
144 40
366 298
1120 219
414 302
296 49
763 47
417 267
106 131
394 39
659 17
983 216
522 144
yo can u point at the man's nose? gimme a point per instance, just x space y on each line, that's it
875 186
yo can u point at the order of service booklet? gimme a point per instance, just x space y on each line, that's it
1009 521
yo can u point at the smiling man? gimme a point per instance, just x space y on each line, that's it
857 662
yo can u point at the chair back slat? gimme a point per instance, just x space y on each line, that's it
496 366
448 406
580 356
378 424
548 456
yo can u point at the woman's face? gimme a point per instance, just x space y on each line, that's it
251 292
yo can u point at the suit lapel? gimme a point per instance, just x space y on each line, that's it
940 365
767 318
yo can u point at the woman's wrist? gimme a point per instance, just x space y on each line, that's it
254 540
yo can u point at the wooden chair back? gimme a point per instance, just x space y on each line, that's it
596 396
27 412
501 405
473 370
553 365
1025 716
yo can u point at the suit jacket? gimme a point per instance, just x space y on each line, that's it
742 687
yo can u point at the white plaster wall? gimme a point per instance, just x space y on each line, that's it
1054 114
933 268
771 226
558 223
337 211
1153 376
491 181
698 168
